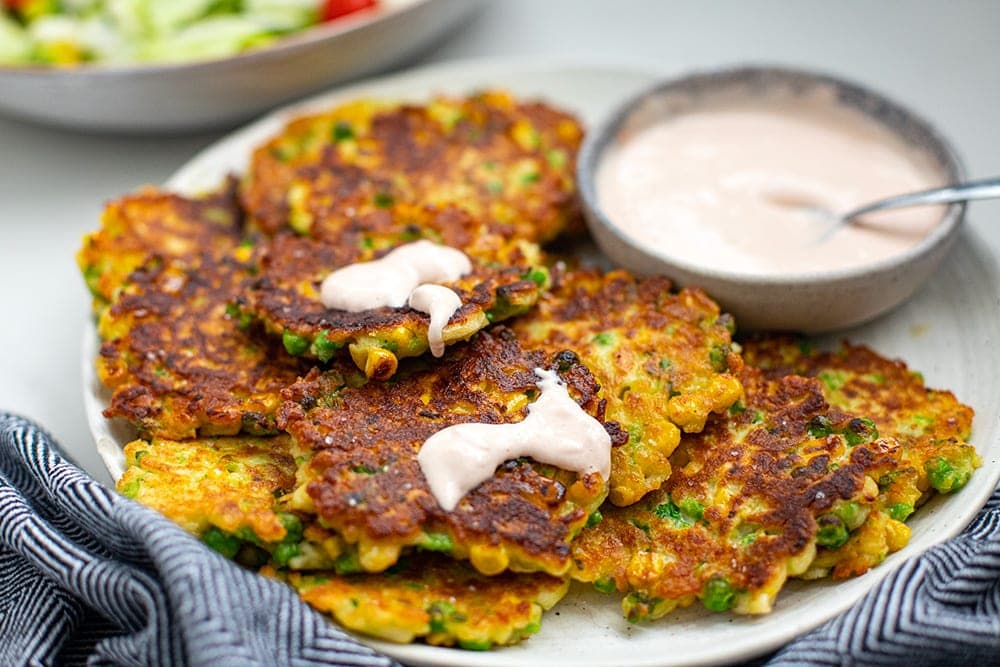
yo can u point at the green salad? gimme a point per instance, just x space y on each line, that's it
72 32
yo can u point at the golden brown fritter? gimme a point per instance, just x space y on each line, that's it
443 601
663 360
181 362
931 426
225 484
285 295
152 223
506 162
749 501
227 490
364 481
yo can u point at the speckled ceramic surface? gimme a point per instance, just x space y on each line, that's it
950 330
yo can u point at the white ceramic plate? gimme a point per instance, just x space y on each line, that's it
217 93
949 331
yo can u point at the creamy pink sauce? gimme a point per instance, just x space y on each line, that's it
734 186
402 277
557 431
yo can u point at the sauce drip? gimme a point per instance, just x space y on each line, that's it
556 431
400 278
741 185
440 303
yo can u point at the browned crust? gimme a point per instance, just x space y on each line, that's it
487 154
382 426
759 469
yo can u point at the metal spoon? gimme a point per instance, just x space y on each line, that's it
988 188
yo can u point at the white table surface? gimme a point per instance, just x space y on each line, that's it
941 59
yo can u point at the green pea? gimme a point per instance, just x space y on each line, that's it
538 275
718 594
944 476
347 563
221 541
692 508
131 490
820 426
284 553
860 430
293 527
850 513
595 518
323 347
295 345
605 585
342 131
900 511
439 612
531 628
475 644
832 532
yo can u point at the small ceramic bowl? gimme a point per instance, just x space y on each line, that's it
810 302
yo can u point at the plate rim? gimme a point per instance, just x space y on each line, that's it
422 654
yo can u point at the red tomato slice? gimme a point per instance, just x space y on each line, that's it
333 9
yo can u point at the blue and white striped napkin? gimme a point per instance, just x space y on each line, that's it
89 576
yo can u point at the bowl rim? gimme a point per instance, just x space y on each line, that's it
292 42
597 141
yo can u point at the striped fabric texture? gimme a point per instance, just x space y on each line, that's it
88 576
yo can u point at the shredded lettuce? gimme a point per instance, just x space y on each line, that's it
118 31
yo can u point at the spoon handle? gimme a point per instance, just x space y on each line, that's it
988 188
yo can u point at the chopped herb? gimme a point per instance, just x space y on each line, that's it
820 426
604 338
556 158
437 542
383 200
342 131
671 512
718 357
